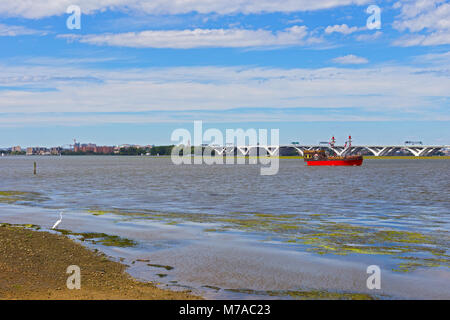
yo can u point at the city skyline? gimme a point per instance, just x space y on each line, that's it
135 72
306 133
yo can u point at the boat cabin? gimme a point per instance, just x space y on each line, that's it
314 154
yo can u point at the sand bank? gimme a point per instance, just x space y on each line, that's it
33 265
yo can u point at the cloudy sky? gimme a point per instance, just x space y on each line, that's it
136 70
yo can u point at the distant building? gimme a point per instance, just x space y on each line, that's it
137 146
104 149
93 148
90 147
16 149
56 150
38 151
76 146
125 146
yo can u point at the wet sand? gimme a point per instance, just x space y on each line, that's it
33 266
218 265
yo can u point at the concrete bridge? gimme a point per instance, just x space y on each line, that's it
376 150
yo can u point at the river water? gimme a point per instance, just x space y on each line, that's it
225 231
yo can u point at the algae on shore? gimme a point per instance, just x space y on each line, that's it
317 234
26 225
100 238
20 197
308 294
338 238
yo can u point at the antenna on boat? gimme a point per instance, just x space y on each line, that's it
333 141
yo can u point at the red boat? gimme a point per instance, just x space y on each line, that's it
320 158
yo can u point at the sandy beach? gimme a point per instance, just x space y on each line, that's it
33 266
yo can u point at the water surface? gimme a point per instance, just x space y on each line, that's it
226 231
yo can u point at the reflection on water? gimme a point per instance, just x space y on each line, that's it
391 212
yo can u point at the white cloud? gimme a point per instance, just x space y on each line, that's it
61 88
343 28
433 39
44 8
431 17
199 38
12 31
369 37
294 21
423 14
350 59
434 58
234 116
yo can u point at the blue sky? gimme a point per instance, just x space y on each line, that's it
137 70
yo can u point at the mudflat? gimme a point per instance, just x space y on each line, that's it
33 265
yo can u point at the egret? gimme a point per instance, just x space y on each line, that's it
58 222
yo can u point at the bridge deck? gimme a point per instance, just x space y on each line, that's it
376 150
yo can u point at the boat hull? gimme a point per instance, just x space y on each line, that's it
332 162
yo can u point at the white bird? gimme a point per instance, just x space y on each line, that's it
58 222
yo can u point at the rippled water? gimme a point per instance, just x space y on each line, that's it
230 232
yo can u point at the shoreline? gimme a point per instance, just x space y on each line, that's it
33 266
208 261
240 157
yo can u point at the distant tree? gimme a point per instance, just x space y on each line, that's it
17 153
161 150
132 151
78 153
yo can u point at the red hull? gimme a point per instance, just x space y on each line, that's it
341 162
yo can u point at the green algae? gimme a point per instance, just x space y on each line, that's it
211 287
168 268
318 234
263 215
253 221
115 241
403 236
413 263
120 212
161 275
25 226
100 238
13 197
343 239
308 294
259 224
98 212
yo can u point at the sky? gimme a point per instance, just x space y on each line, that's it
136 70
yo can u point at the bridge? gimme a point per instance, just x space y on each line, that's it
375 150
